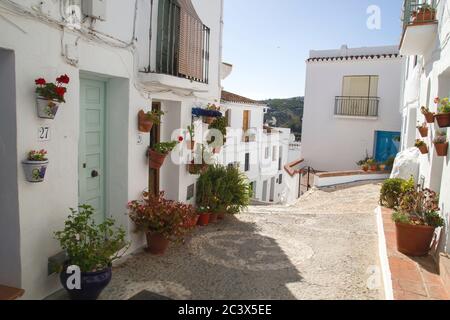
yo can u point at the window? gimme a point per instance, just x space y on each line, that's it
253 186
360 86
274 153
246 125
280 179
280 159
228 117
267 153
190 192
247 162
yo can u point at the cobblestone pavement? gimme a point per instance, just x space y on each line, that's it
324 247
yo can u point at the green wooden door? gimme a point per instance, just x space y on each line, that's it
91 172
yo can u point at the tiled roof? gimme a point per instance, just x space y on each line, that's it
360 57
235 98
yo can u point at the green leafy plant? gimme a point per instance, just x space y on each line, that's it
90 246
443 105
155 116
371 162
363 161
393 190
212 107
219 124
52 91
37 155
167 147
419 207
155 214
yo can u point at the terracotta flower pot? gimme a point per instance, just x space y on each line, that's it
213 218
414 240
382 167
423 149
46 108
429 117
373 167
196 168
424 16
441 149
156 159
156 243
365 168
144 124
423 131
443 120
194 221
221 216
203 219
208 120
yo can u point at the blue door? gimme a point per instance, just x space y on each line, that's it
386 145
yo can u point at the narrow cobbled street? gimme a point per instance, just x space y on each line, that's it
324 247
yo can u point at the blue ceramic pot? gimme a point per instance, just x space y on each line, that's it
92 284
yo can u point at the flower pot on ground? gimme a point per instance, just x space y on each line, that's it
163 221
35 166
422 146
50 96
441 144
203 219
382 167
92 248
157 155
365 168
443 117
373 166
416 220
221 216
429 116
423 130
213 218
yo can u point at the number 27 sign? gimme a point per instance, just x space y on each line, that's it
44 133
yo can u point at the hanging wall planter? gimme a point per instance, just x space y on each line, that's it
146 120
443 120
441 144
423 130
422 147
157 155
50 96
35 166
46 109
443 116
208 115
429 116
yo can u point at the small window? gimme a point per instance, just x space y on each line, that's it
247 162
228 117
190 192
280 159
280 179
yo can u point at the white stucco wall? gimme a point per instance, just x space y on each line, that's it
423 82
332 143
37 48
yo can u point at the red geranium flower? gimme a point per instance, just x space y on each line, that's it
40 82
60 91
63 79
180 139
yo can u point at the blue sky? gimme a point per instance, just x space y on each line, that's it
268 41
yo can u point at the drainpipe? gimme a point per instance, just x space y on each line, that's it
150 38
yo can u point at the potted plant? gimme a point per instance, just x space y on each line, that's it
372 163
203 216
218 125
441 144
191 143
443 116
429 116
209 118
416 221
423 130
393 190
422 146
389 163
382 167
50 96
35 166
363 163
146 120
92 248
163 221
237 191
157 155
426 13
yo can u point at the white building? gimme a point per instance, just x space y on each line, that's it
115 71
351 106
260 151
427 76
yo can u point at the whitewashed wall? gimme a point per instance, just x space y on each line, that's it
423 82
332 143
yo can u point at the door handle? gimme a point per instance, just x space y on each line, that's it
94 174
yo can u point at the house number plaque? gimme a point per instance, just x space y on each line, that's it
44 133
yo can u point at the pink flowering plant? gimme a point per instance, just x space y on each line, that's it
53 91
155 214
37 155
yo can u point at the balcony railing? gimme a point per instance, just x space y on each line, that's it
182 44
415 13
357 106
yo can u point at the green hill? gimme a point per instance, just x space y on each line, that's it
288 113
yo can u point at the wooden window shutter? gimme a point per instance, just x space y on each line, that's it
192 44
